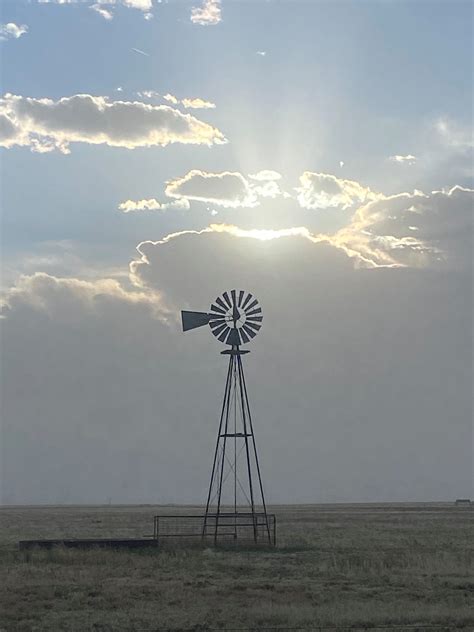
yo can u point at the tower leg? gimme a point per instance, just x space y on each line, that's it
247 451
224 445
264 506
214 463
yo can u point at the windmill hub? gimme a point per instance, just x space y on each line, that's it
235 318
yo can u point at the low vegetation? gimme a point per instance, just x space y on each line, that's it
339 565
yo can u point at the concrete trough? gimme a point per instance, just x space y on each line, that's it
89 543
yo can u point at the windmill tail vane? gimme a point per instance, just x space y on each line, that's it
235 318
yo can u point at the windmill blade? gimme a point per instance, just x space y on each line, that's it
254 326
257 310
216 322
226 298
234 297
214 319
223 335
191 320
255 319
241 296
218 330
249 331
220 302
214 308
252 304
234 338
248 298
244 336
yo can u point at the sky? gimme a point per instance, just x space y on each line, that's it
317 154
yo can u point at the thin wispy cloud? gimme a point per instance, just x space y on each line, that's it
105 13
409 159
265 174
105 7
131 206
140 52
454 135
195 103
149 94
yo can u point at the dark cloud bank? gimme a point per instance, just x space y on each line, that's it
360 379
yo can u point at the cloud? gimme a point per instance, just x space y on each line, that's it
454 135
227 189
267 189
208 14
230 229
170 97
40 290
148 94
322 190
194 103
140 52
198 104
413 229
45 125
153 205
265 174
405 230
9 132
105 13
409 159
266 184
12 30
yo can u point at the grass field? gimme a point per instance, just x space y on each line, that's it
335 565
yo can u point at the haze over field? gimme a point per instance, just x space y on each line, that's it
318 155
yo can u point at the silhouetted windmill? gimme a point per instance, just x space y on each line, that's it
234 318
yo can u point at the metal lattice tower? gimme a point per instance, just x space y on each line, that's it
235 498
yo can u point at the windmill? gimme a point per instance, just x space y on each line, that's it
235 318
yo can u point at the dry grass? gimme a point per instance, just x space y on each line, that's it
335 565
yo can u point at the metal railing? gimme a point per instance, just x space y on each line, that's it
227 528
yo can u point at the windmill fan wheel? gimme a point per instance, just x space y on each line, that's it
235 317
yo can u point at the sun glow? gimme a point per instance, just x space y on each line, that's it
263 234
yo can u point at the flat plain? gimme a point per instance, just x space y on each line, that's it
335 565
